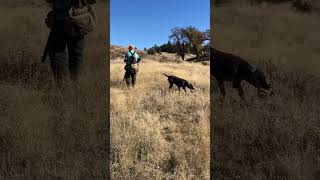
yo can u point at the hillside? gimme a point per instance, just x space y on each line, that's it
118 52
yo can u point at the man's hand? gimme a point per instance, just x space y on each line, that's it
50 19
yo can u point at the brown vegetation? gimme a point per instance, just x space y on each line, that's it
157 133
276 137
47 133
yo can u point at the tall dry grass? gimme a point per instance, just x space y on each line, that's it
47 133
157 133
276 137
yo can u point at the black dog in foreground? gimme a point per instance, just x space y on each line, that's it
179 82
228 67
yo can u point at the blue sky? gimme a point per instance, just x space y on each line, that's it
144 23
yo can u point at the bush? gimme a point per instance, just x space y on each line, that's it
151 51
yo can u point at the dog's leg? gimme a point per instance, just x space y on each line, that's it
170 86
237 85
184 88
240 91
223 92
260 92
222 89
244 102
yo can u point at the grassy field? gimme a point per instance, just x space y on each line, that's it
48 133
157 133
275 137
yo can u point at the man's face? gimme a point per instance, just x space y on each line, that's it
130 48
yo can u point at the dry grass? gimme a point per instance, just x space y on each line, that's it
157 133
276 137
46 133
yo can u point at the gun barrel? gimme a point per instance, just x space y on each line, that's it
47 48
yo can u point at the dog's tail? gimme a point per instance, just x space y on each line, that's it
165 74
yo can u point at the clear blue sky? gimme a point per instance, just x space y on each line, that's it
144 23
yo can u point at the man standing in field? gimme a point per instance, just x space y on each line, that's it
64 36
132 67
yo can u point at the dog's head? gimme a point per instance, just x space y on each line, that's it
259 79
190 86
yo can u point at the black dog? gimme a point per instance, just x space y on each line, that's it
179 82
228 67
